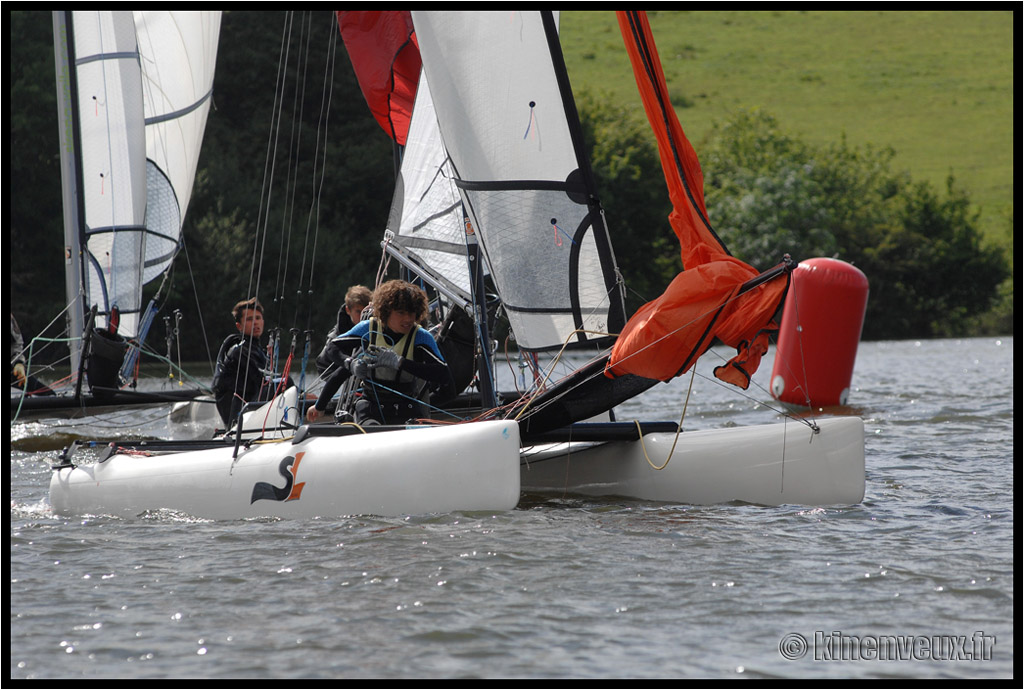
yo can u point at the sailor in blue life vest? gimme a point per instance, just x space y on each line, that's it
395 362
243 372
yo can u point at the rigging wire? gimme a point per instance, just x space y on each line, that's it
199 309
267 185
291 173
304 35
679 430
781 412
317 188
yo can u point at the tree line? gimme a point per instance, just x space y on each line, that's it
295 183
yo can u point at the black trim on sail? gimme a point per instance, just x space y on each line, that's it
616 298
181 112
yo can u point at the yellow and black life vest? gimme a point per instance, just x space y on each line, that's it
405 347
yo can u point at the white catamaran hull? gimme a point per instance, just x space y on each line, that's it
767 465
416 471
278 418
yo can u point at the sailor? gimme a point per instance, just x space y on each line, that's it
357 301
20 378
243 372
396 362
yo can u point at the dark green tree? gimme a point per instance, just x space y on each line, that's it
769 194
295 178
632 189
35 257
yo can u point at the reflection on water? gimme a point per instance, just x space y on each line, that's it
563 586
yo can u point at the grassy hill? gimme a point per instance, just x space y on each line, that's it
937 86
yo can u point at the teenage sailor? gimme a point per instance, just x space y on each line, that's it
397 363
357 300
243 368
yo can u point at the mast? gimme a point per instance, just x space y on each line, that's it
485 370
67 119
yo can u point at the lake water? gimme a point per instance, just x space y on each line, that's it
916 581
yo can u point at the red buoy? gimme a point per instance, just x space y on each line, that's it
820 331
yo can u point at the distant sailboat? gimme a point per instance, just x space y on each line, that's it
133 91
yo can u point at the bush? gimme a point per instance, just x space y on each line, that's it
628 175
769 194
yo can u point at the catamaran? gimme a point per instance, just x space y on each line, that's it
496 209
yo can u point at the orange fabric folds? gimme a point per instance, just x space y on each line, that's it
666 335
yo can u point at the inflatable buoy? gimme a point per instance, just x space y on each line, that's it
820 331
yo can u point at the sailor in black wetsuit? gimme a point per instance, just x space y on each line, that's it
396 362
243 372
357 300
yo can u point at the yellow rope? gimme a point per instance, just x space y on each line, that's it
678 430
355 425
289 438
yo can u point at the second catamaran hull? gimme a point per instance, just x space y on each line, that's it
767 465
276 419
477 466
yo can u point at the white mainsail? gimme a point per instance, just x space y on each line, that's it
110 143
178 52
133 92
427 221
507 122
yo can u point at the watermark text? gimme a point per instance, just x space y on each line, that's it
836 646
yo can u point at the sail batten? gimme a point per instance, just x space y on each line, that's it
167 117
503 118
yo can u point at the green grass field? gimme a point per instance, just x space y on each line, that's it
938 87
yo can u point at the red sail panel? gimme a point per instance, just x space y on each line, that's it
383 50
667 335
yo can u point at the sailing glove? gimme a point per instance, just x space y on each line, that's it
389 359
359 367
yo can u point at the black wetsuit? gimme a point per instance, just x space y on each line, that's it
242 370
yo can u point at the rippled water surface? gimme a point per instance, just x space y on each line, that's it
565 587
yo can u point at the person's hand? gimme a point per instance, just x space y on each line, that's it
389 359
312 414
19 374
360 367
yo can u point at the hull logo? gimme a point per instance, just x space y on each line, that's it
291 491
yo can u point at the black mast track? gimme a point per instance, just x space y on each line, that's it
617 306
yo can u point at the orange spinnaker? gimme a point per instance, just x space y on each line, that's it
667 335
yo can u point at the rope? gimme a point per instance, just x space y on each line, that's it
679 430
557 357
808 423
